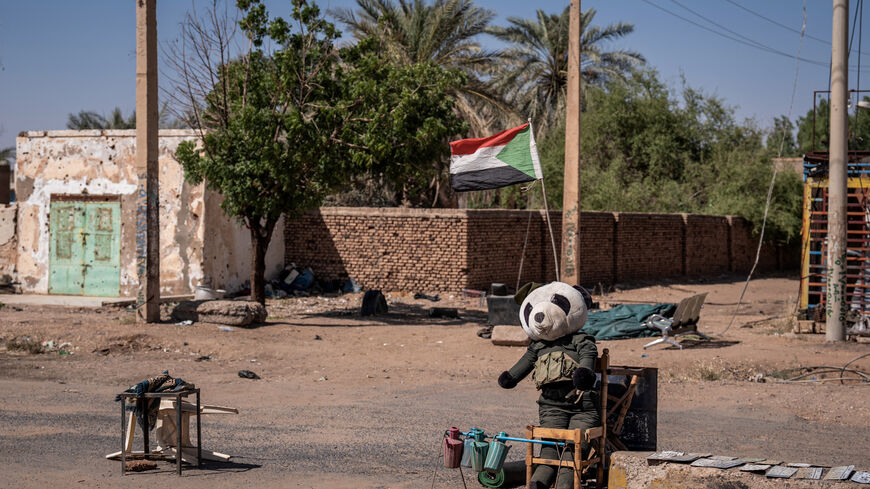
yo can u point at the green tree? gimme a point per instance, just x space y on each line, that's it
782 134
535 75
283 129
444 32
645 150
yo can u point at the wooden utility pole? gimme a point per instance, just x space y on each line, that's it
836 279
570 262
147 219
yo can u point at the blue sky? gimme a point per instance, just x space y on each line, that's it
60 57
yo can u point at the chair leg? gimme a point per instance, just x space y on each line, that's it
663 340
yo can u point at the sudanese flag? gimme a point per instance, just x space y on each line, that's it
506 158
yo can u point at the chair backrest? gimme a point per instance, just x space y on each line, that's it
688 311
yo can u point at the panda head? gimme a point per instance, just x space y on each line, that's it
554 310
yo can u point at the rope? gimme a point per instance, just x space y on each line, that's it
773 178
523 256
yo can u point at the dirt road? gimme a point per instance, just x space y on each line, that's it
346 402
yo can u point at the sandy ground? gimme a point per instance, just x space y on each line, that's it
350 402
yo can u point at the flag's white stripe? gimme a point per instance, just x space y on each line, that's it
536 162
482 159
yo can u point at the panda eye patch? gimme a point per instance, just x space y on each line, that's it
527 312
561 301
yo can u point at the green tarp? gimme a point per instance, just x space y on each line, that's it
625 321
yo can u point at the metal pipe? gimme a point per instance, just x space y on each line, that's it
509 438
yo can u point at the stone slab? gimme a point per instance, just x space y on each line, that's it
629 470
233 313
509 336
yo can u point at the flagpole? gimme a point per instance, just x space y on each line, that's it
547 210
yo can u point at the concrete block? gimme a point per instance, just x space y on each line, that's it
629 470
234 313
509 336
502 309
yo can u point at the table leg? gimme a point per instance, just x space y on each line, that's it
123 438
198 434
146 429
178 428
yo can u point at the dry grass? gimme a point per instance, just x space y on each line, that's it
25 344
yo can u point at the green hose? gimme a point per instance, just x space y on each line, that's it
489 479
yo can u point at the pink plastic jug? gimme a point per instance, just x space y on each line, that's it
452 448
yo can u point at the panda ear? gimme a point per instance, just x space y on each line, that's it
587 297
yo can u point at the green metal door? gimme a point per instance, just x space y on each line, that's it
85 248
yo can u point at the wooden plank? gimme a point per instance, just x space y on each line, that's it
593 433
553 433
839 473
549 461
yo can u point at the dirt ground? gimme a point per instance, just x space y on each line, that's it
355 402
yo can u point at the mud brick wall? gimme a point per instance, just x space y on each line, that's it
411 250
385 248
649 246
707 245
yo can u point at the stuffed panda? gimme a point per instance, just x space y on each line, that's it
561 359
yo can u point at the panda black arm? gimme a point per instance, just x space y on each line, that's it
520 370
584 375
587 352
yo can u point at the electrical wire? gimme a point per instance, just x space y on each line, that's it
773 177
748 42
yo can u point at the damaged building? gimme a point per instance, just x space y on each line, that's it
76 219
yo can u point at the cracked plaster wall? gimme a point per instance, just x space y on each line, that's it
104 163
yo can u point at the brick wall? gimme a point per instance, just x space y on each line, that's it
396 249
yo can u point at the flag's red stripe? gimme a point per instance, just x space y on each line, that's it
469 146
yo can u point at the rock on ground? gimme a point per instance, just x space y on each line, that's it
233 313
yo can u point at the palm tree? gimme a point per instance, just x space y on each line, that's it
91 120
7 155
443 32
536 72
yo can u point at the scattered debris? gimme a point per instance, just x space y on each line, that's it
140 465
233 313
24 343
433 298
127 344
203 358
317 337
186 322
351 287
247 374
485 332
226 328
322 379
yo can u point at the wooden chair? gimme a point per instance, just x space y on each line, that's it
618 407
596 438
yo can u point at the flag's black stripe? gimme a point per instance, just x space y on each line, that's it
487 179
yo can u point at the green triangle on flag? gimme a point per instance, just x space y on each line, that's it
517 153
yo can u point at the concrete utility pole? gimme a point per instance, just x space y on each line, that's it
837 190
570 263
147 219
